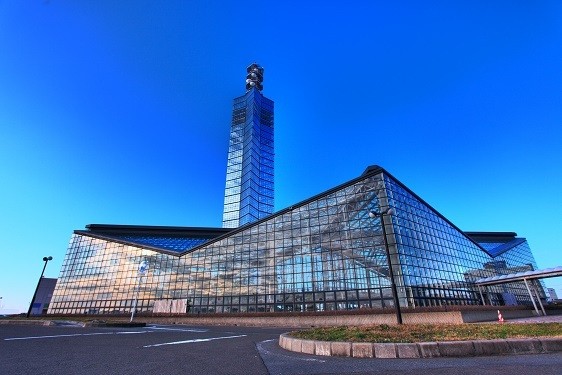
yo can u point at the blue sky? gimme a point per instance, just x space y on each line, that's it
119 113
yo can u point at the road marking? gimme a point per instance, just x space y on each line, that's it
192 341
55 336
72 335
179 329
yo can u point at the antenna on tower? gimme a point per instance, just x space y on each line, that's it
254 78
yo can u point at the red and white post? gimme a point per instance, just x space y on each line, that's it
500 317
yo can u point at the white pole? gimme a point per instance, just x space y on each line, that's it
534 285
481 295
532 299
136 298
143 267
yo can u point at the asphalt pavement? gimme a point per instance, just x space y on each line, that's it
178 349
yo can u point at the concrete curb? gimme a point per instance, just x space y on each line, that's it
422 349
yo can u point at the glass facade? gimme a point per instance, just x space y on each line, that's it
249 189
326 253
510 255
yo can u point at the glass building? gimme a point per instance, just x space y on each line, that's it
510 255
248 194
325 253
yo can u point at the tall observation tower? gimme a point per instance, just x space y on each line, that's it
248 195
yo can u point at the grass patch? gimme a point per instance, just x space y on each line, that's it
430 332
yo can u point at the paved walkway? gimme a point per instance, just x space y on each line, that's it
536 319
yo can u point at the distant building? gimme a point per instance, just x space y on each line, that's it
44 295
326 253
249 193
552 294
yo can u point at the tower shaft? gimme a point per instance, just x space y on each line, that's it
249 192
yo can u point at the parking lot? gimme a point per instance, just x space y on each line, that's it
178 349
154 349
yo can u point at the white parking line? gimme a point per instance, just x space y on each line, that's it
55 336
179 329
72 335
194 340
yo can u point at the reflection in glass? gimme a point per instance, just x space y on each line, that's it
323 254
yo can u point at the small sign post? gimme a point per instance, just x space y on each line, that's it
143 268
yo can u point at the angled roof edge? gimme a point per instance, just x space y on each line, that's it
376 169
107 229
221 233
507 246
509 240
369 171
492 236
123 242
150 229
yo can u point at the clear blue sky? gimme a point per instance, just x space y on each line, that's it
118 112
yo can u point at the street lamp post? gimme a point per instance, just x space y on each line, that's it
46 260
380 215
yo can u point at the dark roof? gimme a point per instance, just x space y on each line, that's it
205 232
491 236
163 239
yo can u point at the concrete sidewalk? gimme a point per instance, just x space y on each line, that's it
536 319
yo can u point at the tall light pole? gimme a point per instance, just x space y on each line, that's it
143 267
380 215
46 260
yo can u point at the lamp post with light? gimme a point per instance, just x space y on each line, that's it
380 215
46 260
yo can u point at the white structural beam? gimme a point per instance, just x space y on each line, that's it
531 295
520 276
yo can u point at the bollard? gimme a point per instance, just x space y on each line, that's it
500 317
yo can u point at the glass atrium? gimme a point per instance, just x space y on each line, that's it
325 253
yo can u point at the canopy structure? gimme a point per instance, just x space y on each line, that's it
521 276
